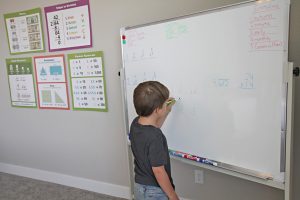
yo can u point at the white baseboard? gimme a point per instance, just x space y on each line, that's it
77 182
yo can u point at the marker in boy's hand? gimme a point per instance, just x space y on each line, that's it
171 101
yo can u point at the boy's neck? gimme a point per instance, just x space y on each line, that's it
150 120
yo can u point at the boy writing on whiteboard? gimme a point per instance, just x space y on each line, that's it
152 168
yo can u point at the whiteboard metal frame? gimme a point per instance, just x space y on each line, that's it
283 125
191 15
227 169
126 124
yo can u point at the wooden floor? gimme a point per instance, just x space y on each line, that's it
20 188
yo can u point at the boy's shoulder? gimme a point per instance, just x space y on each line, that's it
149 135
148 131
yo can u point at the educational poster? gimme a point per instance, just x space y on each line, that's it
69 25
87 81
24 31
51 82
21 83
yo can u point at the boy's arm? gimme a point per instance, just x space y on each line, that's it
167 109
164 182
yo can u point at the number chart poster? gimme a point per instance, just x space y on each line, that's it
69 25
51 82
87 81
21 82
24 31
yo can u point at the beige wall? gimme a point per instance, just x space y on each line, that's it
91 145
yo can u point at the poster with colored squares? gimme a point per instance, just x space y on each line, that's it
21 82
69 25
88 81
51 82
24 31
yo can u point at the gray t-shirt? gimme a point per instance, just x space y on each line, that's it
150 149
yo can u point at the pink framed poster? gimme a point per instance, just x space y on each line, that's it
69 25
51 81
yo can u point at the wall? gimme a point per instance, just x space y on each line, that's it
88 148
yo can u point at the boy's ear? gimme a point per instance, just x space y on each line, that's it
157 110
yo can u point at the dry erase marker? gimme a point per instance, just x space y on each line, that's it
172 101
210 162
177 153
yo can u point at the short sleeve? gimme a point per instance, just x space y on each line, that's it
157 153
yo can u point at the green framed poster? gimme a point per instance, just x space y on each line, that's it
24 31
87 79
21 82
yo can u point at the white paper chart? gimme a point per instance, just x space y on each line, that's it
87 80
24 31
20 76
69 25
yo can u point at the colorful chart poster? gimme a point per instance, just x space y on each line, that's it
51 82
24 31
21 82
87 81
69 25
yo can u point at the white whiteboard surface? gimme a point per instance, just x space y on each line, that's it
227 68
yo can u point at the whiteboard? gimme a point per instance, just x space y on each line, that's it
226 67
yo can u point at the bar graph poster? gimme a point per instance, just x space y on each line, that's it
51 82
24 31
87 81
69 25
21 82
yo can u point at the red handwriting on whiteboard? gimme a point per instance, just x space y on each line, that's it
264 28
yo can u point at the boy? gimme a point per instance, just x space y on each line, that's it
153 179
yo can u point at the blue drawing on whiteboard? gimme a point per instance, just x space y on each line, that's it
140 55
221 82
56 70
145 77
248 81
133 56
134 80
151 53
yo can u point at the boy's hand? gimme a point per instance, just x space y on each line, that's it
170 102
165 110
